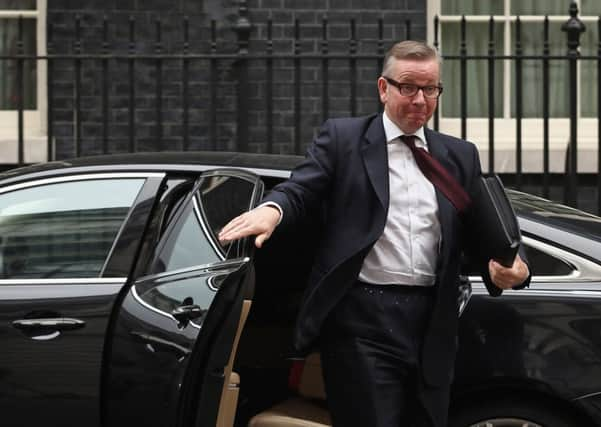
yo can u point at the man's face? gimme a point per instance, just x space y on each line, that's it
409 113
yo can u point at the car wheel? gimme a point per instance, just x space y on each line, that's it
511 414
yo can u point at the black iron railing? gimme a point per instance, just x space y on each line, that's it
573 28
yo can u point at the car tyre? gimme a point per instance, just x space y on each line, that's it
512 413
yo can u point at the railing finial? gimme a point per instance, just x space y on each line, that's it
243 27
574 27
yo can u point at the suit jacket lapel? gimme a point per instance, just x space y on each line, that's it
446 210
375 158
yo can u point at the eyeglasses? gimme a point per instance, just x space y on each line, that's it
409 89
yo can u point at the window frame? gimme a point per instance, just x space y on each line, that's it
35 122
583 270
192 203
532 128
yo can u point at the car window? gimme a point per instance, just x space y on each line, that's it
543 264
193 238
223 198
192 241
188 244
62 230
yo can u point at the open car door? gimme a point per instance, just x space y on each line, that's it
174 333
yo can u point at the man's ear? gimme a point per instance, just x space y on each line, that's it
382 86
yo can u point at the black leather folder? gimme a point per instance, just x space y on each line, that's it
494 226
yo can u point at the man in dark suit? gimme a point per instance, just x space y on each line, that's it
381 300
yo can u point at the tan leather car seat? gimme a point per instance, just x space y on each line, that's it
306 410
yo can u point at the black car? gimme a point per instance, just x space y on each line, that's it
119 306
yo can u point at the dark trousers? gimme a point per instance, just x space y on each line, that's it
370 352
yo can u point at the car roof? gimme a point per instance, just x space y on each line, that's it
555 215
159 161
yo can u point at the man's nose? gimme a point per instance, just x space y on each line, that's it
419 97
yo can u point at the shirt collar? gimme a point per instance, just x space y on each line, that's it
392 132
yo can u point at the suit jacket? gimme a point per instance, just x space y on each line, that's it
346 169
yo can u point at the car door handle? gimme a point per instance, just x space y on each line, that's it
51 323
184 313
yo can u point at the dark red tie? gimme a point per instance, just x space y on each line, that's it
438 175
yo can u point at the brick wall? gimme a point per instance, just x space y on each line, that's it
283 13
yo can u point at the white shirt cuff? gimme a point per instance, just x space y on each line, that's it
275 205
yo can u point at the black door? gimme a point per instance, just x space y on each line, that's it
56 235
175 327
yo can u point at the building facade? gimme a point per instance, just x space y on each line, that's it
89 77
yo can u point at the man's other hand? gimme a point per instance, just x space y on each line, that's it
508 277
258 222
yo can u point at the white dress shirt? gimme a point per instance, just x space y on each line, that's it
407 251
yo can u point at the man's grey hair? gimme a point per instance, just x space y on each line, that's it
409 49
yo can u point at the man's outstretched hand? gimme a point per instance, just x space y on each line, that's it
508 277
258 222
